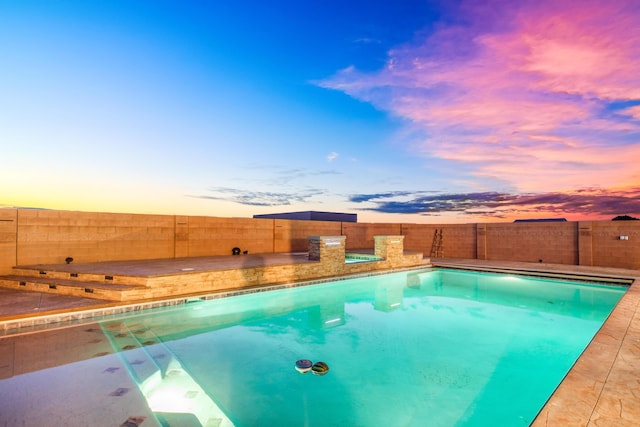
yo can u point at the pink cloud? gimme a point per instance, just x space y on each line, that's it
522 92
633 112
584 47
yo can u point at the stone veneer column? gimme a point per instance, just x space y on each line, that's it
330 251
585 243
390 248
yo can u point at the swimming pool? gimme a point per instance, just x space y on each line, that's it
426 347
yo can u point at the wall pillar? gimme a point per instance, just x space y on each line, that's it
585 243
481 241
8 239
181 237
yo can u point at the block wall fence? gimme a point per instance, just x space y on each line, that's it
29 236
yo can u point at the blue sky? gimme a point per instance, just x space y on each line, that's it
423 111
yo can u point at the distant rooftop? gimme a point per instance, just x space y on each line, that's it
542 220
313 216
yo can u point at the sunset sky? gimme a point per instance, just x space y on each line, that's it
400 111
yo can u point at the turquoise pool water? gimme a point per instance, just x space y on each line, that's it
421 348
352 258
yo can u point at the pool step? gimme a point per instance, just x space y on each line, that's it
44 272
133 346
158 371
79 288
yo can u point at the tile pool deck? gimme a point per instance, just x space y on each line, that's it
602 388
